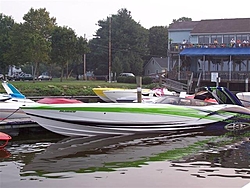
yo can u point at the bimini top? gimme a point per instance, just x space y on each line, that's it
216 51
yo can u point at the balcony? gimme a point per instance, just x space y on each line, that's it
176 48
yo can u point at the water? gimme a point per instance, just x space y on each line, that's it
181 159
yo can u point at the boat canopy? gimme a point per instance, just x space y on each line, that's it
215 51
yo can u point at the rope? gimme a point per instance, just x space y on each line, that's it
9 115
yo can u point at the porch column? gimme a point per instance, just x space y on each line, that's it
203 68
179 68
230 68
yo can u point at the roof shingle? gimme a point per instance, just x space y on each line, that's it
237 25
183 25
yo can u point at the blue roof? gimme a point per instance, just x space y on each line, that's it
215 51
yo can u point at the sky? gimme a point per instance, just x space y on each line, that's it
83 15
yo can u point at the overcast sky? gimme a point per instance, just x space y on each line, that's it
83 15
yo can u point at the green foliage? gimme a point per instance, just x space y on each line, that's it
182 19
18 53
6 24
40 43
158 41
147 80
123 79
63 46
39 21
129 41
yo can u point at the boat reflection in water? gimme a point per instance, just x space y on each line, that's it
4 153
109 153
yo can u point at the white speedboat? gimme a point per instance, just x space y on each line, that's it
10 103
113 94
99 92
13 99
244 97
130 95
88 119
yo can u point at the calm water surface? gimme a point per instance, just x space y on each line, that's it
194 159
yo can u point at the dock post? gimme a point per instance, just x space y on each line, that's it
246 81
139 88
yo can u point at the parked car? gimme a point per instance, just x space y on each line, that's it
25 77
127 74
44 77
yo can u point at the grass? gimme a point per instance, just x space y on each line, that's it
68 87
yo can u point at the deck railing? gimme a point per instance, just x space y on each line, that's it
178 47
223 75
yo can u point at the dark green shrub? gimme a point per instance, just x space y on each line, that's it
147 80
123 79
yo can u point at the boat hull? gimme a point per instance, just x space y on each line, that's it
101 95
113 95
90 119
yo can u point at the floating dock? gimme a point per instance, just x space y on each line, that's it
17 123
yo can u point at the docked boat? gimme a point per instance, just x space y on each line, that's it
116 94
130 95
10 113
89 119
4 139
244 97
13 94
100 93
57 100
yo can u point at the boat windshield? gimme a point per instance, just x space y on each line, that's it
181 101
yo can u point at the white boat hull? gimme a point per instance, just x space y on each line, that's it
113 95
90 119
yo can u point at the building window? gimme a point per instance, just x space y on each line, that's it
227 38
204 39
241 37
217 37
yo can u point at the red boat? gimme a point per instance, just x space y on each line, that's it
4 139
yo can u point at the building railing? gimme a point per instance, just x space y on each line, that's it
178 47
223 75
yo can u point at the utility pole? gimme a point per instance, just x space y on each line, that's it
109 50
84 62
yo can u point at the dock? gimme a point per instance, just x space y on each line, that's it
17 124
14 126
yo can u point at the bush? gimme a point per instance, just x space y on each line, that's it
147 80
123 79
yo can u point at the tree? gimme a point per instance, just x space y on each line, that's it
63 47
128 39
81 49
6 25
38 27
39 21
182 19
158 41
